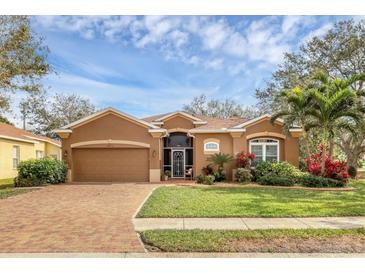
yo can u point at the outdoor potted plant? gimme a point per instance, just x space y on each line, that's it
167 175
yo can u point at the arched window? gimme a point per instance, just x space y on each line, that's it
211 147
265 149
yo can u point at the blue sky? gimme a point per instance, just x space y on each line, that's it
148 65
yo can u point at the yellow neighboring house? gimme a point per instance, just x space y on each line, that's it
18 145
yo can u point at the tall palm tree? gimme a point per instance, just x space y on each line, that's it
335 107
297 104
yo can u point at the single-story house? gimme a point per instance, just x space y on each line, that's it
18 145
114 146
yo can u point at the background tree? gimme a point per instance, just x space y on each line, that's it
340 54
5 120
23 58
200 105
44 113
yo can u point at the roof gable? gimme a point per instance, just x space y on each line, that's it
13 133
258 120
104 112
181 114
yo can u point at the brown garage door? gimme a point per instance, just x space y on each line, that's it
110 164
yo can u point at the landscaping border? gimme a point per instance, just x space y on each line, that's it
252 185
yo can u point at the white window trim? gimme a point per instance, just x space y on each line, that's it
39 152
211 149
264 144
17 156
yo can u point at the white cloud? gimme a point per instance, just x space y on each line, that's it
318 32
189 38
291 24
213 35
215 64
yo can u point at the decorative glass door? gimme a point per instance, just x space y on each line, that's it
178 164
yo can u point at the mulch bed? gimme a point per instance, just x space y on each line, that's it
252 185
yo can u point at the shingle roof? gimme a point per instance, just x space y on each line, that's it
14 132
212 122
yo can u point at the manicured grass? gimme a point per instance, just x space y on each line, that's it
7 188
184 201
7 192
6 183
276 240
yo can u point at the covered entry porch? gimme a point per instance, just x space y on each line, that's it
178 155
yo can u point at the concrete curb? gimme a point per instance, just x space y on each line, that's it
182 255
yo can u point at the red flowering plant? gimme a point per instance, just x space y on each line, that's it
334 169
243 160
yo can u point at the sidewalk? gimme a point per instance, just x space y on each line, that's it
141 224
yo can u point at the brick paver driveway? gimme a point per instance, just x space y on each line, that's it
72 218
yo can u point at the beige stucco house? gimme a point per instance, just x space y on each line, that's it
114 146
18 145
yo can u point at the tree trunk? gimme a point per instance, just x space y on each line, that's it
331 147
324 152
353 148
323 163
352 160
306 144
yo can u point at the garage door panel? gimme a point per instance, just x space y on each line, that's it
110 164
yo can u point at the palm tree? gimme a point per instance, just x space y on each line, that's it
335 107
219 160
298 103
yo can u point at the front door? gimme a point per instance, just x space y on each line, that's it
178 165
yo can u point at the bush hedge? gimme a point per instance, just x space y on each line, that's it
277 181
275 169
40 172
205 180
243 175
284 174
352 172
309 180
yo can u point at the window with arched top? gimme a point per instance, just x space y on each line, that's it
211 147
265 149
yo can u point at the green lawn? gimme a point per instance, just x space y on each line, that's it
7 192
5 183
275 240
184 201
7 188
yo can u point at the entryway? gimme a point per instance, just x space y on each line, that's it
178 154
178 163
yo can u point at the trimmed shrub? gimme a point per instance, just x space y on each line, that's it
243 175
205 180
309 180
276 181
200 179
219 176
209 180
40 172
275 169
352 172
